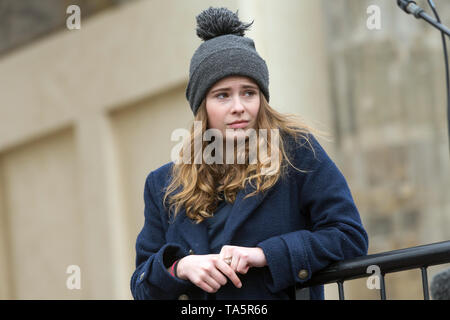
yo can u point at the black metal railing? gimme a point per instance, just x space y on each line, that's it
420 257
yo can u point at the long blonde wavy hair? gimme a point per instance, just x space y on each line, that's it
201 185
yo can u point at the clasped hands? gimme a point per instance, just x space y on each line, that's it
210 272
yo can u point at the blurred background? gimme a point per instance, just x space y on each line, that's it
86 114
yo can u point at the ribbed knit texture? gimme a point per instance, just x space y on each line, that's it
222 56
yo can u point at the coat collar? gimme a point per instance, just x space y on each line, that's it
242 209
196 235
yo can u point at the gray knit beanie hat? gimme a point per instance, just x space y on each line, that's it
224 52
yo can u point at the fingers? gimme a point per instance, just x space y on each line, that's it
219 277
242 265
229 272
211 284
234 262
226 255
204 286
239 263
209 272
207 282
237 256
204 273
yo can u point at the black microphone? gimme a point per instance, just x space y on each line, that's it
403 3
440 286
410 7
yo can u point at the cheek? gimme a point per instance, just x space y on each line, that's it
215 119
254 109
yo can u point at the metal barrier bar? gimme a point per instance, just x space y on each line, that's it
392 261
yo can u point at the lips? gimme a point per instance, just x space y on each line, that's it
238 124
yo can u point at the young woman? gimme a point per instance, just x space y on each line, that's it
241 230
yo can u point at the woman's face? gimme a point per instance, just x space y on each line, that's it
233 103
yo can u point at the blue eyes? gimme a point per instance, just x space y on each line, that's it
250 94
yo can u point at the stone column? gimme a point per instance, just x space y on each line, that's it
290 36
106 260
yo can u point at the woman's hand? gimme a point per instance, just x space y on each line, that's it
241 259
206 272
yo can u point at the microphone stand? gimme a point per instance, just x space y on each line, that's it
410 7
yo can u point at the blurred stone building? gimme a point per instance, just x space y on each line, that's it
86 114
389 110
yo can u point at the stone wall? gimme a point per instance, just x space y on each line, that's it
25 21
389 110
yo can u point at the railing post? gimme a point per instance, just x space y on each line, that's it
341 290
426 294
382 287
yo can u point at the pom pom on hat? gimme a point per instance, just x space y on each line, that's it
214 22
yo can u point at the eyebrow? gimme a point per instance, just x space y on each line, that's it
227 89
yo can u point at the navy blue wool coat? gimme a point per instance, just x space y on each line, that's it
306 221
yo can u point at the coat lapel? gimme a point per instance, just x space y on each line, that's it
196 235
241 210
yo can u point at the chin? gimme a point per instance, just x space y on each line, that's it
239 133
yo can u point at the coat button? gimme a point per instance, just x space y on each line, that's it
303 274
191 251
183 297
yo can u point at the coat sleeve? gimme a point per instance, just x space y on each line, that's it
151 280
336 231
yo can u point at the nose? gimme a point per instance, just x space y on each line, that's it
238 106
